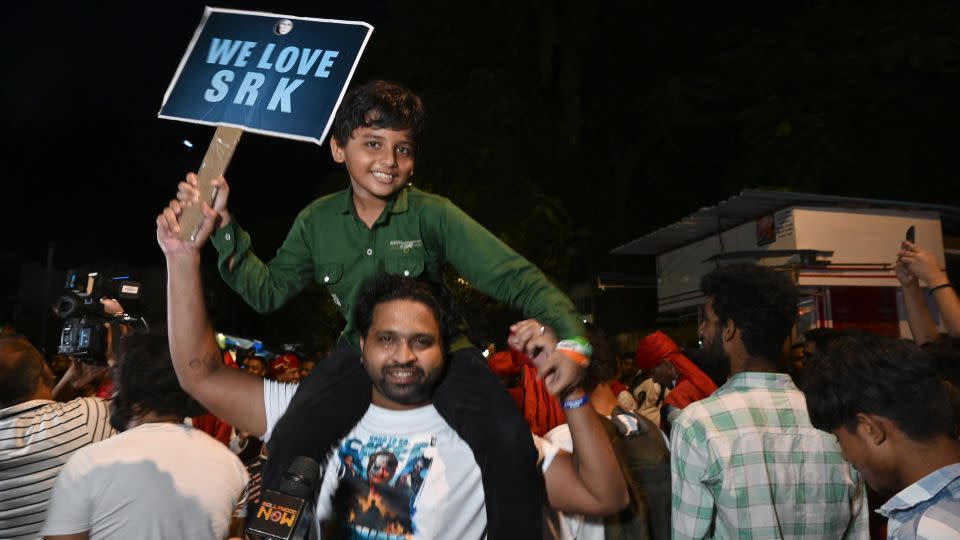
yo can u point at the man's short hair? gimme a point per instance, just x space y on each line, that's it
760 301
387 288
379 105
881 376
21 367
146 382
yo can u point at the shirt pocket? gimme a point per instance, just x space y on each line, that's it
404 266
329 274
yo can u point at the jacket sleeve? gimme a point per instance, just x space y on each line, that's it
265 286
494 269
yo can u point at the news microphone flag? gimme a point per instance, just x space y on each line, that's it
280 515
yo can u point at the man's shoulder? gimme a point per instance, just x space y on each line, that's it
45 413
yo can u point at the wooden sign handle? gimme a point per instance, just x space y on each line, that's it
214 165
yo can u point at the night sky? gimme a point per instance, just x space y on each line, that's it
567 128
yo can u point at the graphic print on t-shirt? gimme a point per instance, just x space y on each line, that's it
380 479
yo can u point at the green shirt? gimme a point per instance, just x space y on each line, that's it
416 234
747 463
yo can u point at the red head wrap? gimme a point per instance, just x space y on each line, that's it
282 362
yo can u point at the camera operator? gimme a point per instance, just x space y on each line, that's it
41 434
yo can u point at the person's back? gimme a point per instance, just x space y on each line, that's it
770 473
747 462
157 480
37 436
646 460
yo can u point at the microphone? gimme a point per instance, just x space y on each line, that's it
287 512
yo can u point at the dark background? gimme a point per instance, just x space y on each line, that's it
567 128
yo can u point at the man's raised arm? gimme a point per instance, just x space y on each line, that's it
231 394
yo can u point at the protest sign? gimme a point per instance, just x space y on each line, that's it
265 73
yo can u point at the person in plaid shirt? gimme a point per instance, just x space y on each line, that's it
747 462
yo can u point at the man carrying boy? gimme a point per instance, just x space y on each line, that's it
893 416
380 224
406 326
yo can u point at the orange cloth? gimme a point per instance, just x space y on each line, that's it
541 410
213 426
693 384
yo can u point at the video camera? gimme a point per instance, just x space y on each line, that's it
84 333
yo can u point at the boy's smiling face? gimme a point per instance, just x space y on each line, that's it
379 161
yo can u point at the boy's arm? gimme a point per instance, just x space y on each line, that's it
493 268
265 286
231 394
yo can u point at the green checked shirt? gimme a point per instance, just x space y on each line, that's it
416 234
747 463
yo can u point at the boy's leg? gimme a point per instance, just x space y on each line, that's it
474 402
327 405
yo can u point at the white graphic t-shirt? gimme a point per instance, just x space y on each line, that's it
398 475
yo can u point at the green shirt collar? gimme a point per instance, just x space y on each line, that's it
396 205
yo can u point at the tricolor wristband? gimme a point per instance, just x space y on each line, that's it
577 349
568 404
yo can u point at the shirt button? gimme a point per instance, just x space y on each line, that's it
406 272
369 252
326 279
226 237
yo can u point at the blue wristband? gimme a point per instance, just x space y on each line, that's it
576 403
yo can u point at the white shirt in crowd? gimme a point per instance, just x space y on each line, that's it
154 481
402 472
36 439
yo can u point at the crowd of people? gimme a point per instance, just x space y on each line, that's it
417 435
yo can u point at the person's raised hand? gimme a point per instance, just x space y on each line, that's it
81 373
188 194
560 374
532 338
905 276
168 230
921 264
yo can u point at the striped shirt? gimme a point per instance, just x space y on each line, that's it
747 463
36 439
928 509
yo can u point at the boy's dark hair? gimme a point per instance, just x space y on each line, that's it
759 300
379 104
146 382
21 367
603 365
882 376
387 288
